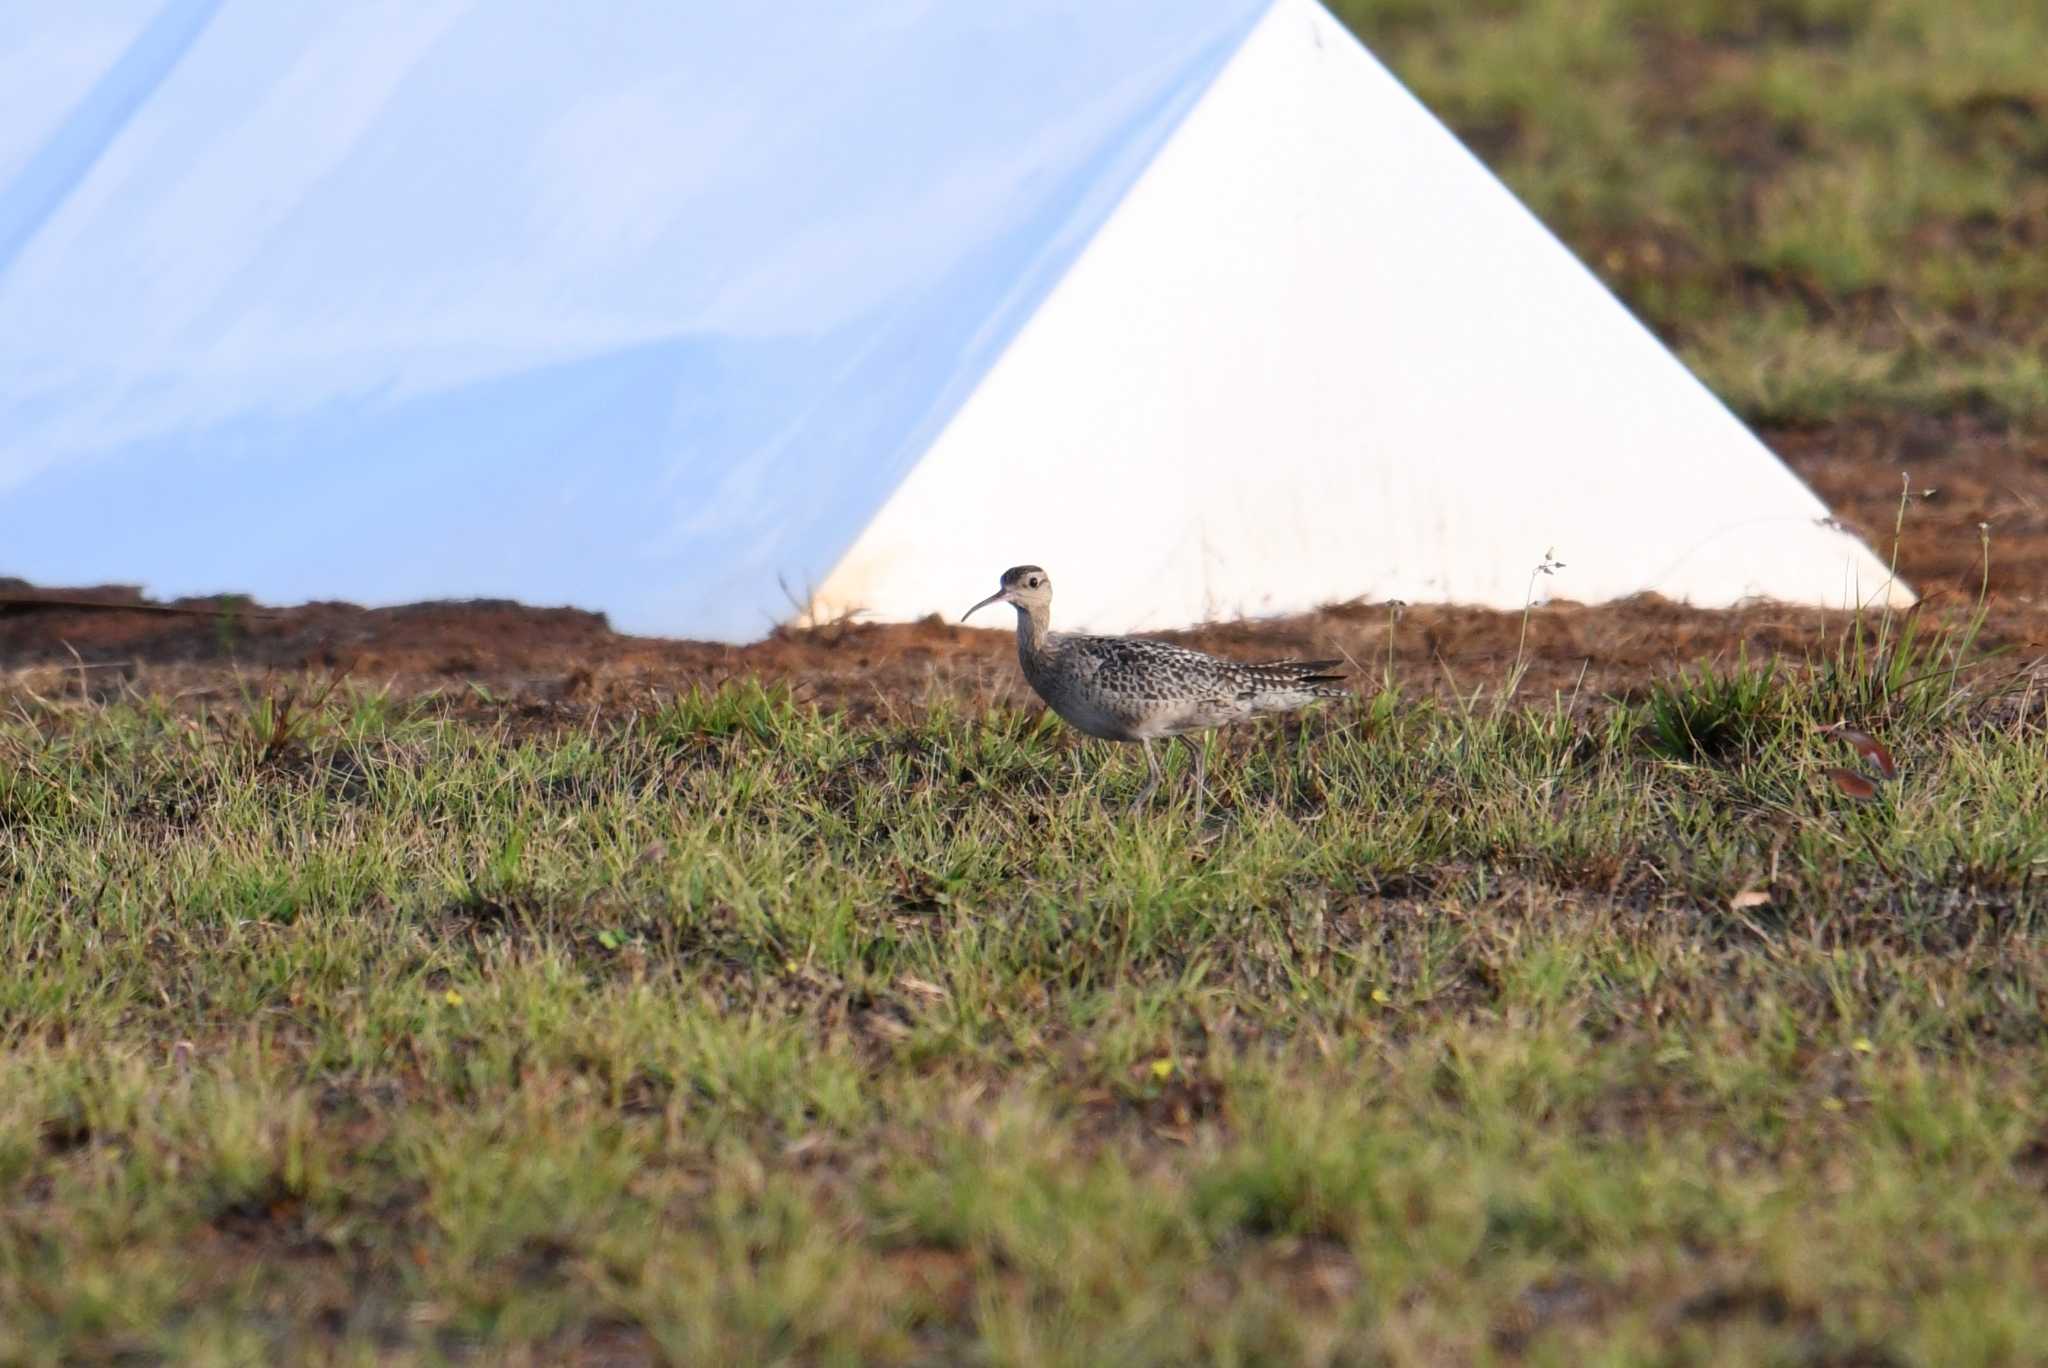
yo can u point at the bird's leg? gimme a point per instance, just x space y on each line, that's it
1151 775
1200 745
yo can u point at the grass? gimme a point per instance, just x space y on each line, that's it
733 1032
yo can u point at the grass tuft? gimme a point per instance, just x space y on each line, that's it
1703 716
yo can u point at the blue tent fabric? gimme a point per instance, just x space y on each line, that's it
642 307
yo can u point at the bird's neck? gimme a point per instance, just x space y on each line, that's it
1034 630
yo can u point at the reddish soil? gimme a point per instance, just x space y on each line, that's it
556 656
1965 475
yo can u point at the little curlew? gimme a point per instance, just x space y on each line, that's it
1133 689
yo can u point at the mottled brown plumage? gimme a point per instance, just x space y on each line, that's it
1134 689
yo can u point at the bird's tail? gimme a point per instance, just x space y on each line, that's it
1283 685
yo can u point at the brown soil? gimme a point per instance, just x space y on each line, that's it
1968 481
556 656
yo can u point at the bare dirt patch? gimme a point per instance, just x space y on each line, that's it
1967 478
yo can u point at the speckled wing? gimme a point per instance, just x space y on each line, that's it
1153 671
1127 688
1161 672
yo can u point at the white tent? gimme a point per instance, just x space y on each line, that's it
708 316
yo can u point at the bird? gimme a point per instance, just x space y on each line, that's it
1122 688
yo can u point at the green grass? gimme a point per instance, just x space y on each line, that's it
737 1033
1832 207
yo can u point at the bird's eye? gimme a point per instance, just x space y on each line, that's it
1033 581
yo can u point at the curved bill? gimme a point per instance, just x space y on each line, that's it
997 597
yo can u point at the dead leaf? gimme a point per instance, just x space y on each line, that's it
1855 783
1870 748
1748 898
910 983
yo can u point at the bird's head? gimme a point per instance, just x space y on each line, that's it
1026 586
